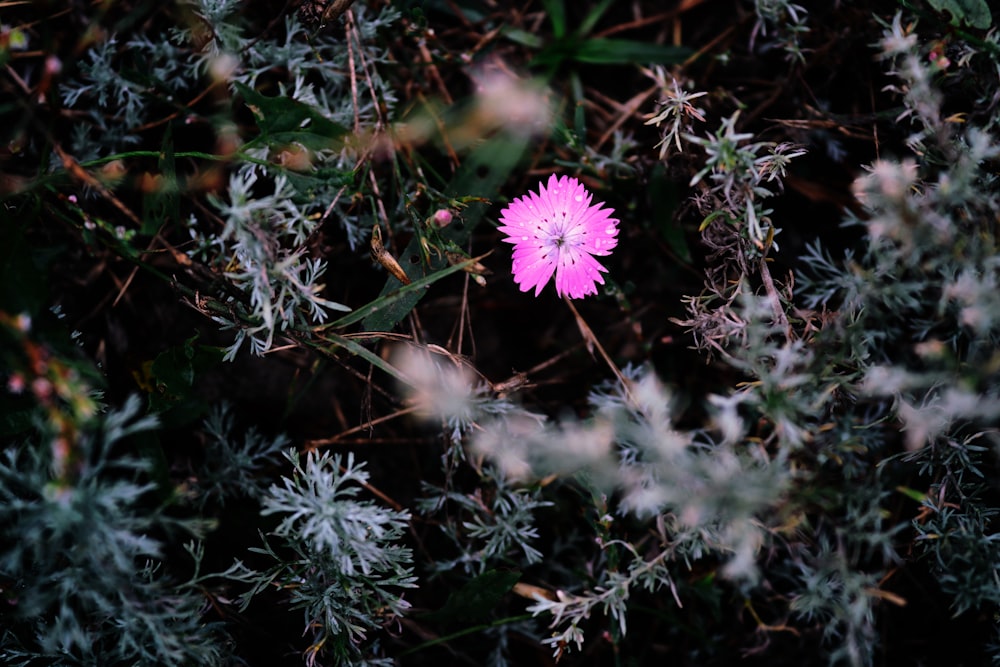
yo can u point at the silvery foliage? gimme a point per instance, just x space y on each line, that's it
740 173
234 462
782 25
701 493
488 529
81 552
268 212
338 558
928 275
496 525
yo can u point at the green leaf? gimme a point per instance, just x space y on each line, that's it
283 120
975 13
481 175
305 183
664 199
474 601
579 113
360 350
556 11
593 17
406 292
170 380
522 37
627 51
609 52
163 204
912 494
555 54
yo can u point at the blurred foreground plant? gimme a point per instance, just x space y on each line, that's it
83 534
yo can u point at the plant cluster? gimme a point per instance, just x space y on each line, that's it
276 393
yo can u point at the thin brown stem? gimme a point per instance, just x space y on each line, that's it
593 343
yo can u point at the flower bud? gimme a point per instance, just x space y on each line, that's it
441 218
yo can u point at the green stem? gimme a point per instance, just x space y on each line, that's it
467 631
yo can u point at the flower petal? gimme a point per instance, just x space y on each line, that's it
558 230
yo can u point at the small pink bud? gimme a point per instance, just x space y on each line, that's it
42 389
442 217
15 383
53 65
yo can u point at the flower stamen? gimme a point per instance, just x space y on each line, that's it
558 232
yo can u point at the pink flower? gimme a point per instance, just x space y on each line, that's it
559 231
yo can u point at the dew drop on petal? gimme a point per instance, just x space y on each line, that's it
558 239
